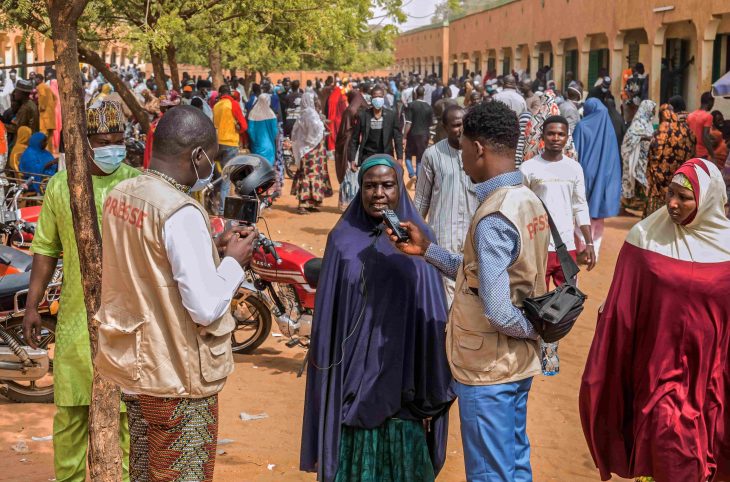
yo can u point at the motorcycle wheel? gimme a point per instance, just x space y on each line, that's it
253 322
290 167
33 392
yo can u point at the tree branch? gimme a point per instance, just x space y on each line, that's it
35 64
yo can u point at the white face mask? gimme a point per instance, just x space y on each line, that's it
200 184
109 158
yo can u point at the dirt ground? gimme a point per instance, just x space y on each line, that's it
266 382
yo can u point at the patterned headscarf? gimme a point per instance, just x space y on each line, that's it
533 131
635 150
105 117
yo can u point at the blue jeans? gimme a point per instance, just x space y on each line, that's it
493 431
225 154
409 167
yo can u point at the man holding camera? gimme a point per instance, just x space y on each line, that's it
491 346
164 322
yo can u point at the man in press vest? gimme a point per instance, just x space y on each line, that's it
164 323
491 346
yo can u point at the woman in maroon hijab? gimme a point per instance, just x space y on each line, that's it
653 395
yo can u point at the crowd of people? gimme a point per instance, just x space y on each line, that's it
402 327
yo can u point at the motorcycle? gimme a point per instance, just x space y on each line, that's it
26 374
281 280
17 225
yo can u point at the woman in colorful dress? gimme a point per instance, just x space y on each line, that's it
655 388
672 145
312 181
635 151
377 398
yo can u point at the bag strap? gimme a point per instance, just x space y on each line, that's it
569 267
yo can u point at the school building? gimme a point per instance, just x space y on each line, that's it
683 44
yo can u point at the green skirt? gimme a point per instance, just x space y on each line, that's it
394 452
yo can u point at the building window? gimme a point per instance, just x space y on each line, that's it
633 54
597 65
571 65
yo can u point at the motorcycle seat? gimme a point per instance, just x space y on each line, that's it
15 258
11 284
311 271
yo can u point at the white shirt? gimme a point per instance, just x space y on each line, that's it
206 291
407 96
454 91
91 90
513 99
428 92
561 186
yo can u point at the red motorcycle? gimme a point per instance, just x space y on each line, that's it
26 374
17 225
282 277
281 281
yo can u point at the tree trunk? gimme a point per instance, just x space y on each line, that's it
158 68
233 72
105 457
249 77
216 67
129 98
172 62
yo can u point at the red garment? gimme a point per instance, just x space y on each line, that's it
697 122
653 394
337 103
148 143
554 271
237 114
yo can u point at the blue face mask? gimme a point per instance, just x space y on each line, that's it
200 184
378 102
108 158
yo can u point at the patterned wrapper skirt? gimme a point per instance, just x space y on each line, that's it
394 452
138 448
182 434
312 181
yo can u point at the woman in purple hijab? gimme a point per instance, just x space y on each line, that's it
377 397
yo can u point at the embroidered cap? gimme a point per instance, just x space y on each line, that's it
105 117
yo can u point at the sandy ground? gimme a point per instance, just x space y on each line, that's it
266 382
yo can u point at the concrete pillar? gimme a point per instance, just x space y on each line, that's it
500 62
535 61
558 49
705 47
583 61
657 52
485 62
616 63
517 58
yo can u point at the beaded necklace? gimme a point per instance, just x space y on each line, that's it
180 187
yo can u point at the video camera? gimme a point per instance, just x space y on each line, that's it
251 176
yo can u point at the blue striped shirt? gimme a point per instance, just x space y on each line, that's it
497 246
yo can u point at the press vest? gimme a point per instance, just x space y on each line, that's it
148 343
477 352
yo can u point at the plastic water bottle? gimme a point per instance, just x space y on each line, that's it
549 358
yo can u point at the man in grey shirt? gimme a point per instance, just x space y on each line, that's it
444 192
510 96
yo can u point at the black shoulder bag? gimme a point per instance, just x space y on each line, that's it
554 314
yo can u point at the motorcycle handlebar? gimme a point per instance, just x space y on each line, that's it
268 246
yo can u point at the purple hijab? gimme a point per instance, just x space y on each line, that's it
394 362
